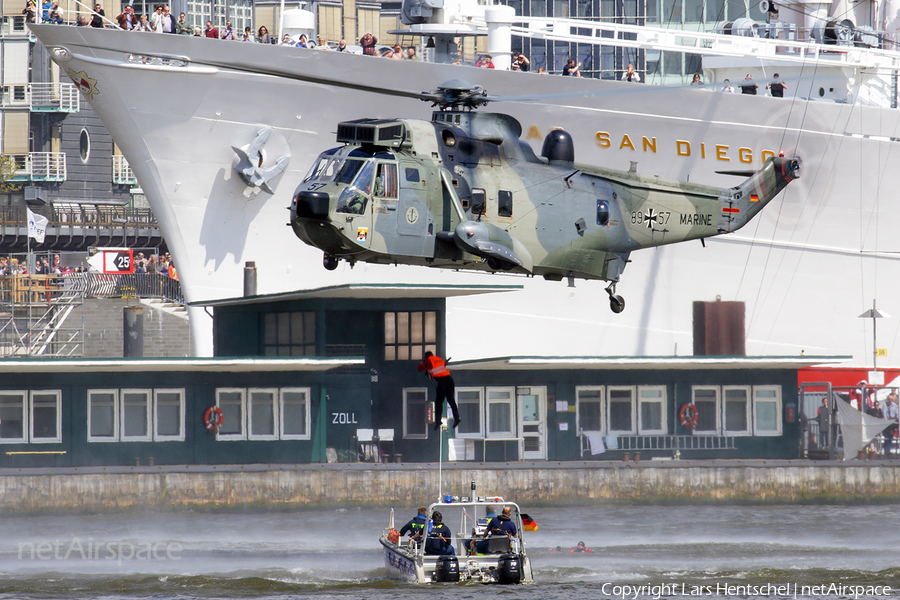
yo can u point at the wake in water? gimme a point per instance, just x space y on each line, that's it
638 552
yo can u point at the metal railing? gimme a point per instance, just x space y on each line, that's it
665 443
40 166
122 173
65 214
41 97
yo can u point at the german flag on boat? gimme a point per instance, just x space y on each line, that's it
529 524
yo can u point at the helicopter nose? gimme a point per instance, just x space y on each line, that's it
312 205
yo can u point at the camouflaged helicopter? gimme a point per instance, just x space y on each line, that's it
464 192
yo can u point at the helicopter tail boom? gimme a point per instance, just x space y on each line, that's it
743 202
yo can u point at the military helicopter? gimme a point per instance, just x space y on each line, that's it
464 192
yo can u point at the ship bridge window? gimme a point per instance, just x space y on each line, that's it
386 180
602 212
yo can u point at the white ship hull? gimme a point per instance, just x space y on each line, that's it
806 267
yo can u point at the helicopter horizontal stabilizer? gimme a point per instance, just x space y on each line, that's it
739 173
501 250
742 203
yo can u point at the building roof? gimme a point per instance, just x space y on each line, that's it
366 291
187 364
599 363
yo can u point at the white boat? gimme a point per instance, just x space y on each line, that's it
498 559
181 108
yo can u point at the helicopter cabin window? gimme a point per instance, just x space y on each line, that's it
602 212
386 180
479 201
505 204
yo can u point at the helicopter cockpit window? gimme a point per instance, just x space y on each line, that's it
602 212
479 201
348 170
412 174
505 204
324 167
354 198
386 180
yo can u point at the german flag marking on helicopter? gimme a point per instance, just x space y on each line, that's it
754 198
733 211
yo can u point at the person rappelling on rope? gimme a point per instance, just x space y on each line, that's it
439 373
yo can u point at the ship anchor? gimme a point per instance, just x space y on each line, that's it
250 163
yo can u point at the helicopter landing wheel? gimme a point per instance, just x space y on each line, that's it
330 262
617 304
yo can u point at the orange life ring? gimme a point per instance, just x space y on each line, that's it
213 418
688 415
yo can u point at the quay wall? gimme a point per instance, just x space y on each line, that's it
277 486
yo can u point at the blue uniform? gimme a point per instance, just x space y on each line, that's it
415 527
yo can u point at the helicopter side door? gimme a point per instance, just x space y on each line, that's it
415 223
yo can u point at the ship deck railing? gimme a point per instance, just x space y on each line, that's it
707 44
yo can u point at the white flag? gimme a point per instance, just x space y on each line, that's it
37 226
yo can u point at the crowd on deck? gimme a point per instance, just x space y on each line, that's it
156 264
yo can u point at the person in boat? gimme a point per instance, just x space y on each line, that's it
262 36
727 88
696 81
501 525
571 69
437 370
439 541
416 526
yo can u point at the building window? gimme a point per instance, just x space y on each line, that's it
231 403
652 410
262 414
500 412
128 415
589 409
46 426
415 424
103 415
767 410
289 334
295 423
469 401
12 417
408 335
736 403
706 399
621 409
168 424
136 415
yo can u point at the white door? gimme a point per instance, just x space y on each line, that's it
532 421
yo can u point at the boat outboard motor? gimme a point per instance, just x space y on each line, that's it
558 147
509 569
446 569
